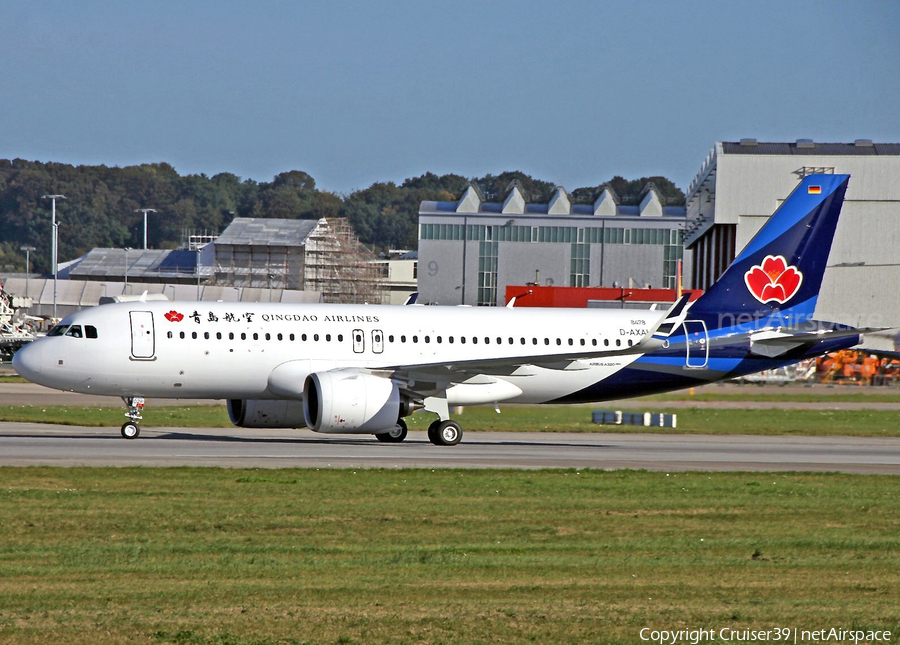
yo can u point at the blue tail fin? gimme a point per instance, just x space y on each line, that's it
780 271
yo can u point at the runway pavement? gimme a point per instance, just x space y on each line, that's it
31 444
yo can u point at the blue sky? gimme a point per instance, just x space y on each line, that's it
356 92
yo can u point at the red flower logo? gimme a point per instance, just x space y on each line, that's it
774 280
174 316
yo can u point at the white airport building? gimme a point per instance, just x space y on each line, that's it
470 250
740 184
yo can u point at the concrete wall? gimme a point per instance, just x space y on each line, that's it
642 263
519 261
440 271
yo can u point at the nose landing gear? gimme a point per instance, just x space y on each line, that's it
131 429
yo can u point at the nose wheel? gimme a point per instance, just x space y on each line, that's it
131 429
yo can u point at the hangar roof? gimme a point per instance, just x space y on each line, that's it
261 231
111 262
807 147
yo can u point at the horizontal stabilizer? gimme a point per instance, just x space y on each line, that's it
774 342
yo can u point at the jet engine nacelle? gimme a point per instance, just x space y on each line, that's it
257 413
348 401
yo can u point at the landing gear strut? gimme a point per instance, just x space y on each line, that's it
396 435
444 431
131 429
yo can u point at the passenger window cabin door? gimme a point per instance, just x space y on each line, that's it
359 341
377 341
143 336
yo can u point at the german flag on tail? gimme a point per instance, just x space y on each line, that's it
815 190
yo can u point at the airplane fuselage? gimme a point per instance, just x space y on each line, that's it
264 351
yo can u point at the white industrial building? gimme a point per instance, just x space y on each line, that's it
470 250
742 183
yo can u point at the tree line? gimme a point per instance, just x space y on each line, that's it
101 202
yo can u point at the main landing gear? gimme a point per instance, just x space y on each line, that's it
444 433
396 435
131 429
440 433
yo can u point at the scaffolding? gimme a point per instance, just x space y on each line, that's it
340 267
309 255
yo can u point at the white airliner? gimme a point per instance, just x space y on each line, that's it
363 368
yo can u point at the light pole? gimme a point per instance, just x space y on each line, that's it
54 247
125 289
28 250
145 211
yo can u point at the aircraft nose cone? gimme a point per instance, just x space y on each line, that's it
27 361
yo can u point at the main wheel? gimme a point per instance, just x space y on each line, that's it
130 430
433 432
396 435
448 433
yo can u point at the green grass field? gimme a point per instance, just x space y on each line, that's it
211 556
535 418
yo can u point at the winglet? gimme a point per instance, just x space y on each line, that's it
673 318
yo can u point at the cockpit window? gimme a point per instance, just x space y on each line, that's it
75 331
59 330
90 331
